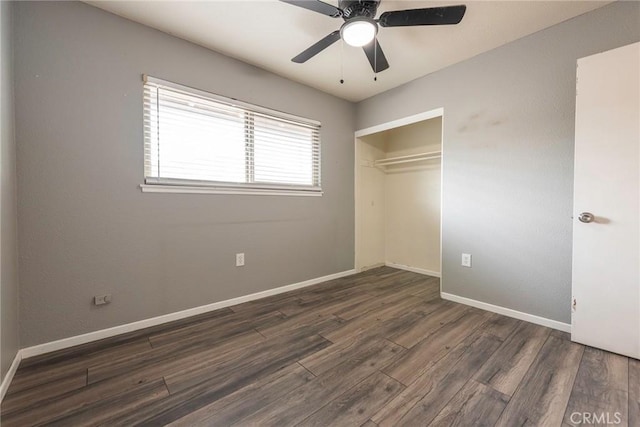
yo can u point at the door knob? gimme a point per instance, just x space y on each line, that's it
586 217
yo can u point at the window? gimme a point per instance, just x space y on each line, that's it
199 142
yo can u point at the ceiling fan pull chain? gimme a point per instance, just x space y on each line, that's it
375 59
341 62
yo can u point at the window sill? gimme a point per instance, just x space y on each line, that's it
183 189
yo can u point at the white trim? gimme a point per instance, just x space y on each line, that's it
441 192
413 269
158 188
37 350
10 373
438 112
543 321
357 255
260 186
371 267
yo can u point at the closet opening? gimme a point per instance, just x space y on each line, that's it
398 194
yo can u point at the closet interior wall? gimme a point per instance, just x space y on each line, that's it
399 189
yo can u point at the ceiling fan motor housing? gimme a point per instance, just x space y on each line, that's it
358 8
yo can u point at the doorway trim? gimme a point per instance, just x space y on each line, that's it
415 118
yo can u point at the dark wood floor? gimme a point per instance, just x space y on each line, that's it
377 348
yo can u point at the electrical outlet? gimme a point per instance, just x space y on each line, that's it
102 299
466 260
239 260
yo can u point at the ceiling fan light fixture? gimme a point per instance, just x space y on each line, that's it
359 32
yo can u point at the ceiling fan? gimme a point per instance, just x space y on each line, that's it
360 27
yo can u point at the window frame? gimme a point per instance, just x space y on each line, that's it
154 184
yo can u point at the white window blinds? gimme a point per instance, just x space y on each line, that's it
194 138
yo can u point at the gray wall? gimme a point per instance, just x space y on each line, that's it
86 228
9 341
508 158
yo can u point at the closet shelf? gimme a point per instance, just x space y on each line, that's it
408 159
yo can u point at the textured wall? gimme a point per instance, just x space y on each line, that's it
85 226
508 163
10 343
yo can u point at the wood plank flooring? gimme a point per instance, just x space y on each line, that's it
379 348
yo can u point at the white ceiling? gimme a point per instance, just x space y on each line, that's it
268 33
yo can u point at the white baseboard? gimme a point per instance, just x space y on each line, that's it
37 350
371 267
413 269
543 321
10 373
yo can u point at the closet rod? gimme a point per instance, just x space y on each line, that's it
407 159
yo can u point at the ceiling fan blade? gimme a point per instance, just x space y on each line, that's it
317 48
376 56
448 15
316 6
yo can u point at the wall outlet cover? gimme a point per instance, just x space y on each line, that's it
102 299
240 259
466 260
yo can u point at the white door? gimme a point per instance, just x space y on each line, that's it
606 248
